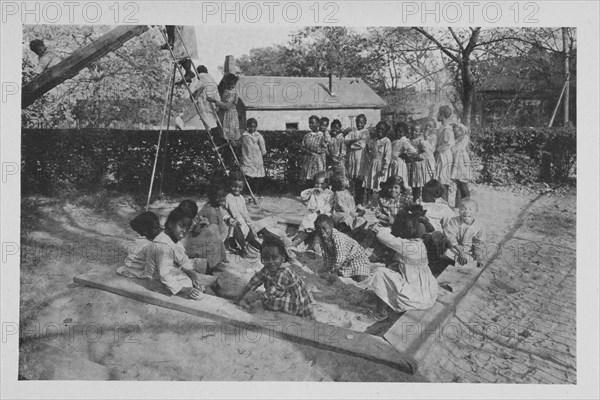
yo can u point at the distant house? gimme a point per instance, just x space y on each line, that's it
286 103
522 91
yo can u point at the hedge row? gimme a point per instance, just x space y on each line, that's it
525 155
88 159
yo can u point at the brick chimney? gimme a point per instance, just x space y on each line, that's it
229 66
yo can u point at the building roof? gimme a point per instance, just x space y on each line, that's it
284 93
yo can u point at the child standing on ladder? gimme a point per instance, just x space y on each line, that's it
230 122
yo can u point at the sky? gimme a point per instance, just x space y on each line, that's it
215 42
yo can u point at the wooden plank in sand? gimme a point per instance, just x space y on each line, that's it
252 326
412 331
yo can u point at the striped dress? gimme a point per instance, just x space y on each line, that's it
315 146
231 123
336 150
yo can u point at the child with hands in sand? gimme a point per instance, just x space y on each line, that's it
284 290
168 263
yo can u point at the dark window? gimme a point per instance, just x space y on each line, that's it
291 126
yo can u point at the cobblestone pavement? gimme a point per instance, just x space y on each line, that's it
517 323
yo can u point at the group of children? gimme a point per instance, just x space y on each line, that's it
415 153
184 255
192 245
417 233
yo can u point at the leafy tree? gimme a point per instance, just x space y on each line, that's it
115 88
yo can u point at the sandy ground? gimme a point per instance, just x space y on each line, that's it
138 341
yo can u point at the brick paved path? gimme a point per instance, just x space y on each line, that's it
517 324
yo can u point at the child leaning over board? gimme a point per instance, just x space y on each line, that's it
168 263
284 290
466 235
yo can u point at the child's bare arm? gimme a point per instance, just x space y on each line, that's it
238 299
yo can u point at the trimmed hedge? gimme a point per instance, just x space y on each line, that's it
69 160
525 155
90 158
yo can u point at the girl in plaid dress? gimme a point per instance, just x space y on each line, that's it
394 199
284 290
336 149
314 145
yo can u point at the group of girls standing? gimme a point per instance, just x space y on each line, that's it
416 153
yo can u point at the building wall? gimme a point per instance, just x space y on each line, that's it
277 119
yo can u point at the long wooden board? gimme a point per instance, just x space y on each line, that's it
414 328
276 325
78 60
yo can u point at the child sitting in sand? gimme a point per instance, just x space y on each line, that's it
438 210
346 215
342 255
208 231
394 199
318 200
147 226
241 233
168 263
466 235
413 287
284 290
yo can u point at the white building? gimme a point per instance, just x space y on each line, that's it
286 103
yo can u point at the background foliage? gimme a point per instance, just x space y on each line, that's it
69 160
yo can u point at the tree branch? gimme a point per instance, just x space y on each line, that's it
473 40
438 44
460 46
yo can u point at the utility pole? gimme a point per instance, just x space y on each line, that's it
567 74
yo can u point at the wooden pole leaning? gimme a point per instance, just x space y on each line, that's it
179 68
162 121
212 107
